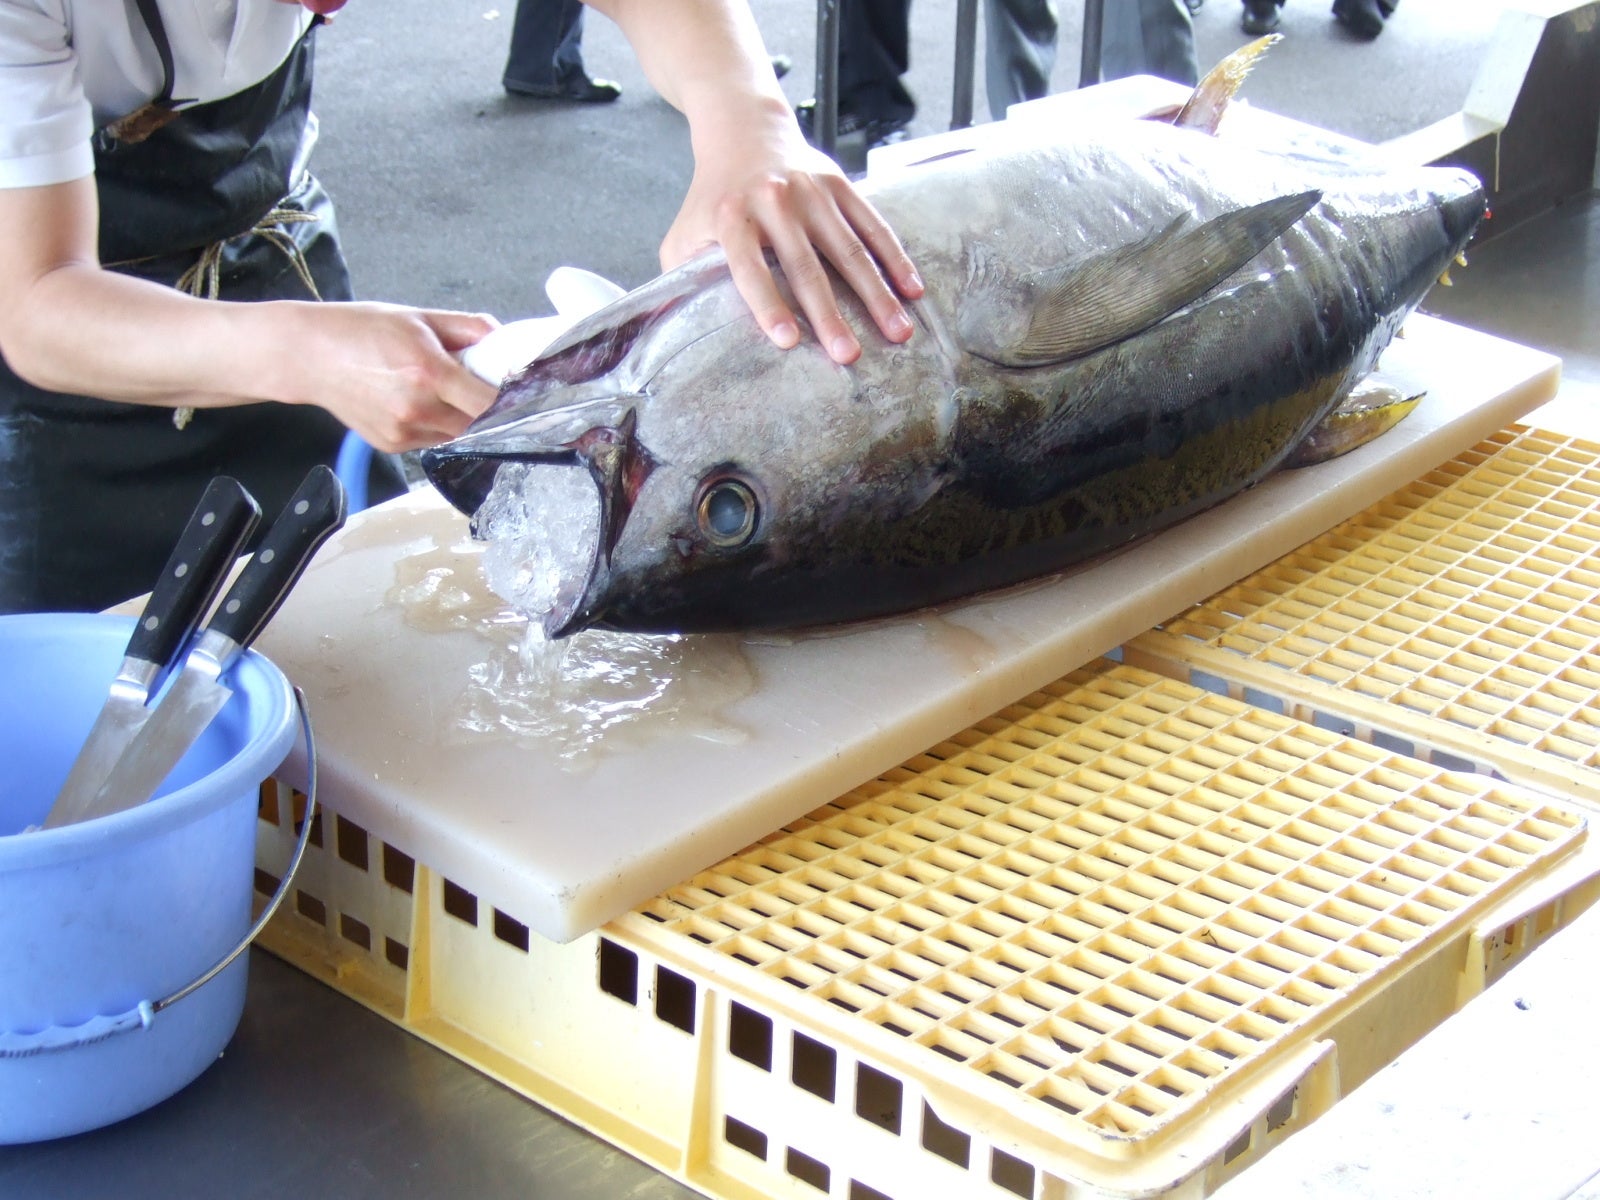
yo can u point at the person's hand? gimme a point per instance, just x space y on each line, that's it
388 372
758 185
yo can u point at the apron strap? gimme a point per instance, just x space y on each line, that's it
204 278
142 122
150 13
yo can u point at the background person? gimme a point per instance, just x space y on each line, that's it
545 61
1364 18
546 57
1138 37
874 55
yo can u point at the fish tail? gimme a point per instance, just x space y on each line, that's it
1212 94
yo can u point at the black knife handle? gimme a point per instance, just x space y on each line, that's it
311 517
216 532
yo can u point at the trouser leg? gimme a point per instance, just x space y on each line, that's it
546 42
1020 51
1148 37
874 53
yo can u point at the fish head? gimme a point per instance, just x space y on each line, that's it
562 481
709 456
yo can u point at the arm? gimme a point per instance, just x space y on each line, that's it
757 183
68 325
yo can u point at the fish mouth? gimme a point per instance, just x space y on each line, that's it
1463 207
603 439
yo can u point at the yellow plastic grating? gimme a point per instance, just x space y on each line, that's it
1116 892
1119 939
1467 604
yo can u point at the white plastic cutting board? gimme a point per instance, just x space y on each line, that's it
564 848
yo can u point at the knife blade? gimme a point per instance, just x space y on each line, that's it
194 573
312 515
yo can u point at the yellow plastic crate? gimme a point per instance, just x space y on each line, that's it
1117 940
1457 619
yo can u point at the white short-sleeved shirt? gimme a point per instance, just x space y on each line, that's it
68 67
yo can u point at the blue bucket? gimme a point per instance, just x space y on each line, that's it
103 924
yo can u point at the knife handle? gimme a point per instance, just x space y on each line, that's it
194 573
311 517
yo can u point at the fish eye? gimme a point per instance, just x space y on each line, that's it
727 512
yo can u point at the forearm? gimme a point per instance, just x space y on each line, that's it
68 325
80 329
385 370
705 57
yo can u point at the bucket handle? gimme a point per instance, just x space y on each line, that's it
97 1029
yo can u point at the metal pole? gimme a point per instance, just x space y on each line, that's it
1094 13
825 130
966 62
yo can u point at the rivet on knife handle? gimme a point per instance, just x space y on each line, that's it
314 513
195 572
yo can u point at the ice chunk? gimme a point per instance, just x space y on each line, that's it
541 523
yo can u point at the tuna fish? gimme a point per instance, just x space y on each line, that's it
1120 329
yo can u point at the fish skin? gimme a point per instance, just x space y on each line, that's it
928 471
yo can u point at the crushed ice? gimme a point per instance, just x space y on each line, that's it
541 526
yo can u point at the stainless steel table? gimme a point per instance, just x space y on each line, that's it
316 1097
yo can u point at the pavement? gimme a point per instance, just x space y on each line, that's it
453 194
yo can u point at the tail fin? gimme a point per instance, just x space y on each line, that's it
1211 96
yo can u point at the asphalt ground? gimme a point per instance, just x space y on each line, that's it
453 194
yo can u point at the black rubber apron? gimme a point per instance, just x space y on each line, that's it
93 493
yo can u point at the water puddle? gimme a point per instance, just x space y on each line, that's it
579 698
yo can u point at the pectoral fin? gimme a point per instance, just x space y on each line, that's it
1370 410
1072 310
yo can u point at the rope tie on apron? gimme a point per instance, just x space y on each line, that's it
203 279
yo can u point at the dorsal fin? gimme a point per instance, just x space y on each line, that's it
1211 96
1072 310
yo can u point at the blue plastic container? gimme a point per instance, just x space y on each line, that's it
100 919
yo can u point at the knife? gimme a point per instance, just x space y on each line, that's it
313 514
194 573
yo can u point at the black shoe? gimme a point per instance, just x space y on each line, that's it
1260 17
578 88
1364 18
781 63
878 131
